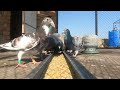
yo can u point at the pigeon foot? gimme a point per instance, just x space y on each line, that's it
21 65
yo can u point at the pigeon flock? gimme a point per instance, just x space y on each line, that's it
44 39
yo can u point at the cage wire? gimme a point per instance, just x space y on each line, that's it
85 23
105 22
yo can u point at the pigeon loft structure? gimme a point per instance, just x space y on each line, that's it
10 25
31 20
14 23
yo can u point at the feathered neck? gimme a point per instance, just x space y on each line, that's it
68 35
48 29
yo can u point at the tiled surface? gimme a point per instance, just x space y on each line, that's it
8 61
105 65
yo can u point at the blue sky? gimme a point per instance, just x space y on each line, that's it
83 22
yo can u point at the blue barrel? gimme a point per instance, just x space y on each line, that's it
114 38
110 39
119 39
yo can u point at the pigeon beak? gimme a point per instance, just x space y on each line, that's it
59 47
52 23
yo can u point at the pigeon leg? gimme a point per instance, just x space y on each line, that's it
33 61
20 53
76 53
21 65
47 52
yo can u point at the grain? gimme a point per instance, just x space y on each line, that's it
58 69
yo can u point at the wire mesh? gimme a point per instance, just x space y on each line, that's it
105 22
83 23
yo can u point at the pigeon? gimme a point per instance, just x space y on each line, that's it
46 28
30 41
77 40
53 43
70 44
23 44
59 41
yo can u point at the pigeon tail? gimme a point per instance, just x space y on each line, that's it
8 46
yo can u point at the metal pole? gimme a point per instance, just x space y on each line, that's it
23 22
96 23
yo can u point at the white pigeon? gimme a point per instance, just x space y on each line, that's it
22 44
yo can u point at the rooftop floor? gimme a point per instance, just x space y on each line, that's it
105 65
8 62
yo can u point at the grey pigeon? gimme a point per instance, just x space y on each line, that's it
53 43
70 43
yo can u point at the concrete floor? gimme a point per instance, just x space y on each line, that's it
105 65
8 61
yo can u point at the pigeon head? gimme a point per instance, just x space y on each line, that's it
48 25
48 21
67 32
